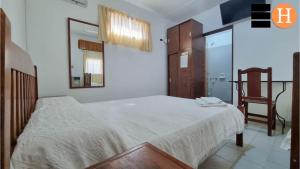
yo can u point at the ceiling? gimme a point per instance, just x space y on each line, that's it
176 10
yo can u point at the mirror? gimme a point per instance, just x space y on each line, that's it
86 55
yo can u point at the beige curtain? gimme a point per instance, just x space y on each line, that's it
118 28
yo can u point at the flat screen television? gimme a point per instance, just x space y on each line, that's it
234 10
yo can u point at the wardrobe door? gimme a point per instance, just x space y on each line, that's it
173 74
186 36
185 86
200 67
185 78
173 40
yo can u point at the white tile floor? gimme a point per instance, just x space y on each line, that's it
259 152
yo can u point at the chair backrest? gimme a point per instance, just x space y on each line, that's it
254 83
87 79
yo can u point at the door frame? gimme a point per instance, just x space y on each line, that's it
232 59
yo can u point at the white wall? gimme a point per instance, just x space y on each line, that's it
128 72
271 47
16 10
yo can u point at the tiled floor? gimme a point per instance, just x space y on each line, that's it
259 152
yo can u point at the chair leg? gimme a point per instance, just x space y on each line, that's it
246 113
270 120
239 140
274 110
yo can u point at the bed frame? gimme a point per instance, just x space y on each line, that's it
295 114
18 91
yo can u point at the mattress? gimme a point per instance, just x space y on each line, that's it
64 134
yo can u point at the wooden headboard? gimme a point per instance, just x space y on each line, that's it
18 91
295 114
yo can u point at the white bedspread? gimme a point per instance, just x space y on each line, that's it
65 134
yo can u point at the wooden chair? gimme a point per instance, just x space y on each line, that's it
87 79
254 96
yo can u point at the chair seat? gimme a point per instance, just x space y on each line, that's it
258 100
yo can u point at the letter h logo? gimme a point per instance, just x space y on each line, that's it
287 15
284 15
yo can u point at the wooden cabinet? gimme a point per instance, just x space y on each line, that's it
186 60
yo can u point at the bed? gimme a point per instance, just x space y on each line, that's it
62 133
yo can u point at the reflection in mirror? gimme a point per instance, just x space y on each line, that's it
86 55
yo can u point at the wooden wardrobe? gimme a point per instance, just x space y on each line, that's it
186 60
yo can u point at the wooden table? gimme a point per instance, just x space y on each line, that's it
145 156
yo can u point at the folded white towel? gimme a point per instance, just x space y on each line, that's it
210 102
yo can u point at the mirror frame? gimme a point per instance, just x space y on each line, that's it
70 54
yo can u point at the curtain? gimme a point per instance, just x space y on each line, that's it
92 62
118 28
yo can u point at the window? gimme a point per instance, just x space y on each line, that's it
92 63
119 28
92 66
